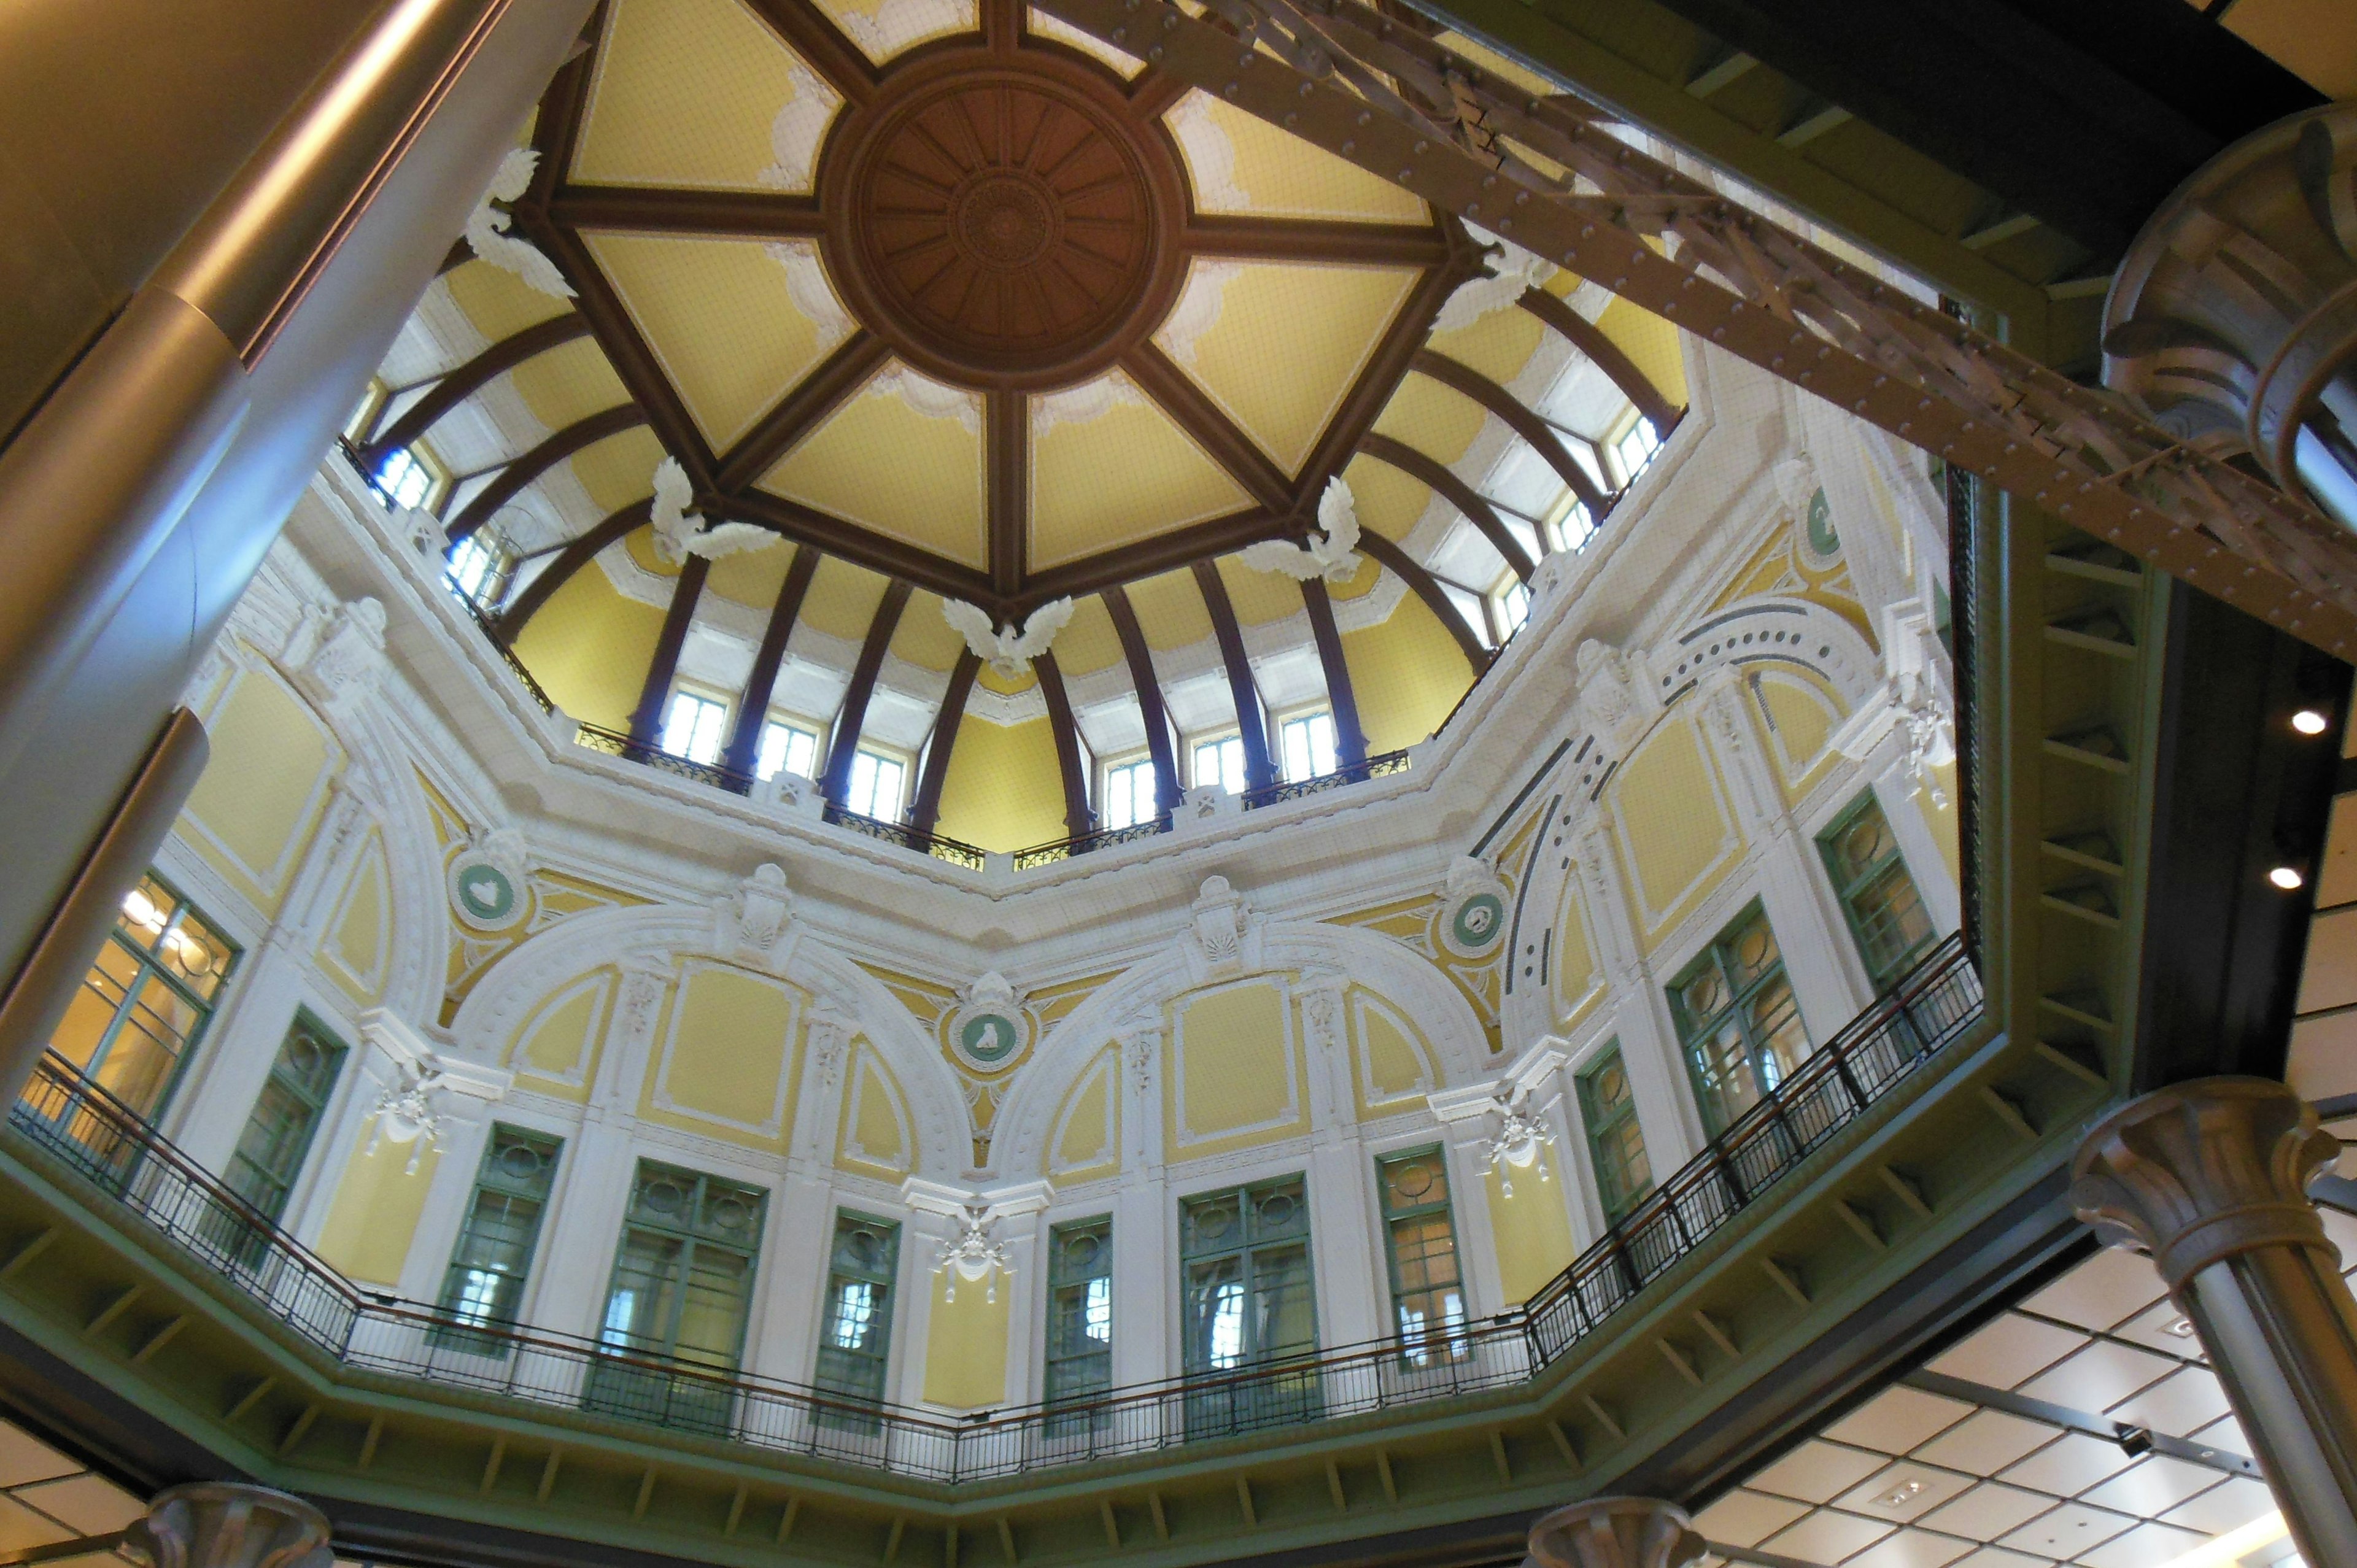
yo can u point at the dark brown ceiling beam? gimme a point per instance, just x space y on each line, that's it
524 469
1006 417
1251 718
1134 647
852 717
753 708
1311 240
461 383
1425 587
1439 475
1155 92
888 557
1590 340
1522 421
556 129
1349 739
803 410
821 45
1387 366
1193 411
1078 818
575 554
646 720
927 812
631 210
1171 552
1002 25
457 256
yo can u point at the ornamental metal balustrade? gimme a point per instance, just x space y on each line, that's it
110 1149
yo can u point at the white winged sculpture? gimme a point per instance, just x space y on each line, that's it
1011 650
677 536
1511 272
487 229
1330 554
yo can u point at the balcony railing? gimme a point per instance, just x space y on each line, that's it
111 1148
957 852
1083 843
613 743
1294 789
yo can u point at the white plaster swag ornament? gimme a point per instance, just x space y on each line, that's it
487 229
1917 704
1010 652
1217 919
972 1254
676 535
1331 551
754 918
1517 1142
405 1114
1513 272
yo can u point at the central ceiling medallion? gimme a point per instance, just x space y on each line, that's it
1005 221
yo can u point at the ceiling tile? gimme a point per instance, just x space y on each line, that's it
1911 1549
2068 1466
1987 1512
1816 1472
1897 1418
1744 1518
1986 1442
2110 1287
2008 1352
699 92
1998 1557
2221 1509
2225 1434
1826 1536
20 1527
91 1505
2146 1546
2069 1529
2154 1485
24 1458
2099 1377
902 457
2181 1403
2162 1326
1903 1491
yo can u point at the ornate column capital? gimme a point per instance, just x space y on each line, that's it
226 1524
2199 1171
1616 1532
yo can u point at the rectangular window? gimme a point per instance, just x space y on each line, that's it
1616 1144
682 1292
1885 913
478 568
405 478
484 1286
876 784
1634 449
1220 762
1246 1300
1420 1238
695 726
786 749
1511 605
269 1156
144 1003
1080 1311
1130 796
1307 742
854 1342
1574 528
1737 1019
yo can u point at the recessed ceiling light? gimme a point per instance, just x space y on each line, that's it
2286 878
1903 1492
2308 721
2183 1328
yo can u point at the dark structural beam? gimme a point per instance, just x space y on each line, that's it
887 557
1155 92
1007 423
576 553
1425 587
646 722
1313 240
1171 552
631 209
1522 421
753 709
821 45
1078 818
521 471
803 410
1590 340
1192 410
1252 721
852 717
927 812
1166 790
1440 476
1349 739
461 383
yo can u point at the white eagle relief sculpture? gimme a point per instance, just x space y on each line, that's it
1011 651
677 536
487 229
1330 554
1514 271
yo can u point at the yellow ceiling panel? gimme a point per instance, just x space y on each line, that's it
1259 598
1040 25
882 28
902 457
498 303
699 92
1108 468
735 324
1170 610
1088 641
1498 346
1652 344
1015 685
842 599
619 469
590 647
1386 500
1237 162
752 578
1277 347
923 638
641 544
568 384
1431 418
2314 39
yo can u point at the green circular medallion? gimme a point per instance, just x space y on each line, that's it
1477 920
989 1037
1822 537
485 893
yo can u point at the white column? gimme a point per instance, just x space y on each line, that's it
803 1234
1144 1229
1639 1007
466 1130
1896 790
1350 1280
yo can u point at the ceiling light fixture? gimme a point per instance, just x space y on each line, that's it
1902 1493
2309 721
2287 877
2183 1328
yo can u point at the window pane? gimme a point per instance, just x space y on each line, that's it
1231 765
1080 1310
693 727
863 783
1886 912
772 754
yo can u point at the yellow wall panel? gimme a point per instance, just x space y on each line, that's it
1435 421
589 649
1406 674
1004 790
1801 713
1498 346
374 1217
966 1349
1170 610
255 807
687 94
728 1052
913 475
1674 822
620 470
927 641
1533 1228
752 578
1235 1074
1942 818
1089 1128
1577 981
1258 597
359 946
1393 1065
568 383
876 1137
1088 641
1386 500
557 1045
498 303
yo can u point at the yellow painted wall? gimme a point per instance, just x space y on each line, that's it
1395 1065
728 1053
1004 790
1386 499
355 953
1170 610
1533 1228
1674 822
1087 1136
1942 818
1498 346
1801 712
1434 419
259 799
374 1217
965 1350
842 599
1232 1075
1576 982
557 1046
1406 674
589 649
874 1138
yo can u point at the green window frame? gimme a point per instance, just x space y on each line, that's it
268 1160
854 1347
1420 1245
491 1262
143 1007
1080 1311
682 1293
1615 1142
1248 1299
1884 908
1737 1019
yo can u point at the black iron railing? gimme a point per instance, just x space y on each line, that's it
111 1148
491 635
957 852
1353 773
1084 844
613 743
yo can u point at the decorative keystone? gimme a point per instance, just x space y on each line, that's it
1616 1532
2203 1170
224 1524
